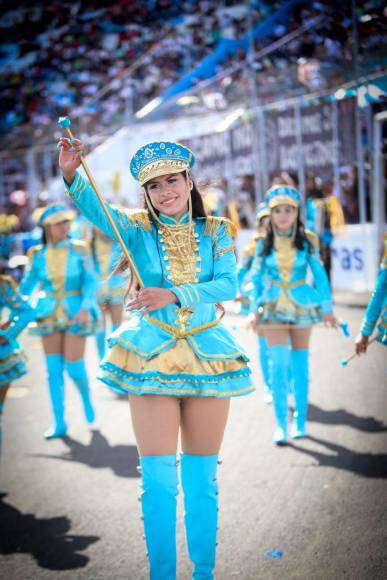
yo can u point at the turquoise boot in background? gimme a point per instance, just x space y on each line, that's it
55 368
265 364
77 372
300 365
100 338
158 498
279 367
198 479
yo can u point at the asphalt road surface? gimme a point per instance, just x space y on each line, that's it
69 508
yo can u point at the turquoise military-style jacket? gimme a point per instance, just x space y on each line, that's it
65 276
20 314
208 276
377 307
282 274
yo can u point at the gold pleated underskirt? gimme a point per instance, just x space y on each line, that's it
180 359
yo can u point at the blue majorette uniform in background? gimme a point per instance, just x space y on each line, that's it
12 357
246 290
377 306
111 287
179 350
283 297
64 274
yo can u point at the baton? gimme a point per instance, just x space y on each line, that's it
65 123
345 361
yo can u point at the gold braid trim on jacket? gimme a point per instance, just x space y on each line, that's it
213 224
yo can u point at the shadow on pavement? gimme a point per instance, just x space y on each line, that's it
47 540
122 459
343 417
371 465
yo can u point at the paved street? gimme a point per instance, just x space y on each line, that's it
69 509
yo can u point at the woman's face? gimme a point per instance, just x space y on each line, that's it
58 232
284 216
169 193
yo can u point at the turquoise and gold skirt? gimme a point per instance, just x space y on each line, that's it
286 311
175 372
113 296
59 321
12 367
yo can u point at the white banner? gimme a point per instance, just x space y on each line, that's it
355 258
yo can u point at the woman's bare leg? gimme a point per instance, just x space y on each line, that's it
53 343
156 420
203 422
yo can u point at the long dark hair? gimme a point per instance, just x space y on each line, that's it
198 211
299 242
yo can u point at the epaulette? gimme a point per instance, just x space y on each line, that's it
138 217
33 250
313 238
213 224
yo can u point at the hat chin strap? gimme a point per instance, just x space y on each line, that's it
156 217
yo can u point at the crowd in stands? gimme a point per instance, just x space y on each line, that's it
102 60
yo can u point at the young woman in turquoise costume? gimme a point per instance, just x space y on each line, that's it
244 269
377 307
12 357
111 288
178 363
287 305
66 311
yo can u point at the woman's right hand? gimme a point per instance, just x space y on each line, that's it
361 344
69 157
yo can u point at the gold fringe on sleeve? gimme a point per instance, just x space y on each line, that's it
213 224
137 217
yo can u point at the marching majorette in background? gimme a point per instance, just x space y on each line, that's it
12 357
111 287
377 307
66 310
323 216
287 305
178 363
246 289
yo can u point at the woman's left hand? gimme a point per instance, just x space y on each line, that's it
330 320
82 318
152 299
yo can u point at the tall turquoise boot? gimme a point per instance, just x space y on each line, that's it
279 367
77 372
290 373
158 498
300 364
55 364
264 362
198 479
100 338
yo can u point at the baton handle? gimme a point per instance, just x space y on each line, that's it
66 127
